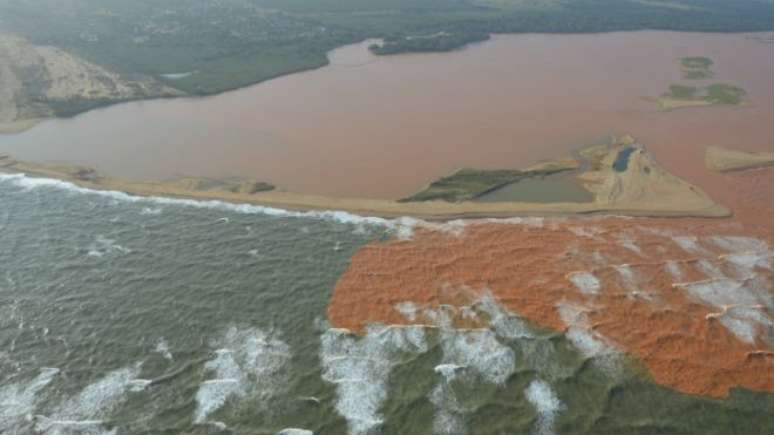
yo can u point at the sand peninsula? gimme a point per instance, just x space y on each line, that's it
622 177
726 160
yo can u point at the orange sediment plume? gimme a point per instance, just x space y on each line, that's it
691 299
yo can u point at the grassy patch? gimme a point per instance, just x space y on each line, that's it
681 92
720 93
467 184
697 68
696 62
715 94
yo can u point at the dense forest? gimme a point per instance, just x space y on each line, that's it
216 45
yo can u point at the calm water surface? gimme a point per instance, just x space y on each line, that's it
383 127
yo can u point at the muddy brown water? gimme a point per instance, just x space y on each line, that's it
383 127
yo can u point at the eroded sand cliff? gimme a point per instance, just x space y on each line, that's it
37 82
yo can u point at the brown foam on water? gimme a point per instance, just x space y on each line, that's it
688 298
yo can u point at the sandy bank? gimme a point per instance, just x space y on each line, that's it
723 159
39 82
616 193
17 126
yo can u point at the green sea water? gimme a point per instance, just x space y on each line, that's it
125 315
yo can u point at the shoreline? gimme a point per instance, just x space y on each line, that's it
22 125
428 210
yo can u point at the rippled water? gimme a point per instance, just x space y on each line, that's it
127 315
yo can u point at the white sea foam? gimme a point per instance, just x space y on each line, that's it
590 232
103 245
746 323
741 305
674 270
85 411
162 347
586 282
17 401
31 183
151 211
628 242
547 404
738 243
408 310
470 355
504 323
589 342
746 262
402 227
295 431
49 426
448 370
631 280
709 269
440 316
724 292
250 363
480 351
448 418
690 244
359 367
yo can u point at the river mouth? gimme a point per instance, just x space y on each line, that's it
382 127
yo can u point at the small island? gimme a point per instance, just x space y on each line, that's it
718 94
697 68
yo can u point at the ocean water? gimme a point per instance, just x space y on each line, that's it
123 315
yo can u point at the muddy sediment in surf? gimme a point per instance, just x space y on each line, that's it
690 299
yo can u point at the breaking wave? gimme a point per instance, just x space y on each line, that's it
17 401
360 367
250 363
547 404
84 412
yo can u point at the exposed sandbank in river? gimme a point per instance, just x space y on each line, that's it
381 127
641 188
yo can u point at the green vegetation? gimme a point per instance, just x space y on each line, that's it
226 44
681 92
697 68
725 94
437 42
467 184
696 62
715 94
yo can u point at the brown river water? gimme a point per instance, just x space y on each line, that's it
382 127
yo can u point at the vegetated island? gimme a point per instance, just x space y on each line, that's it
697 68
718 94
211 46
725 160
622 177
